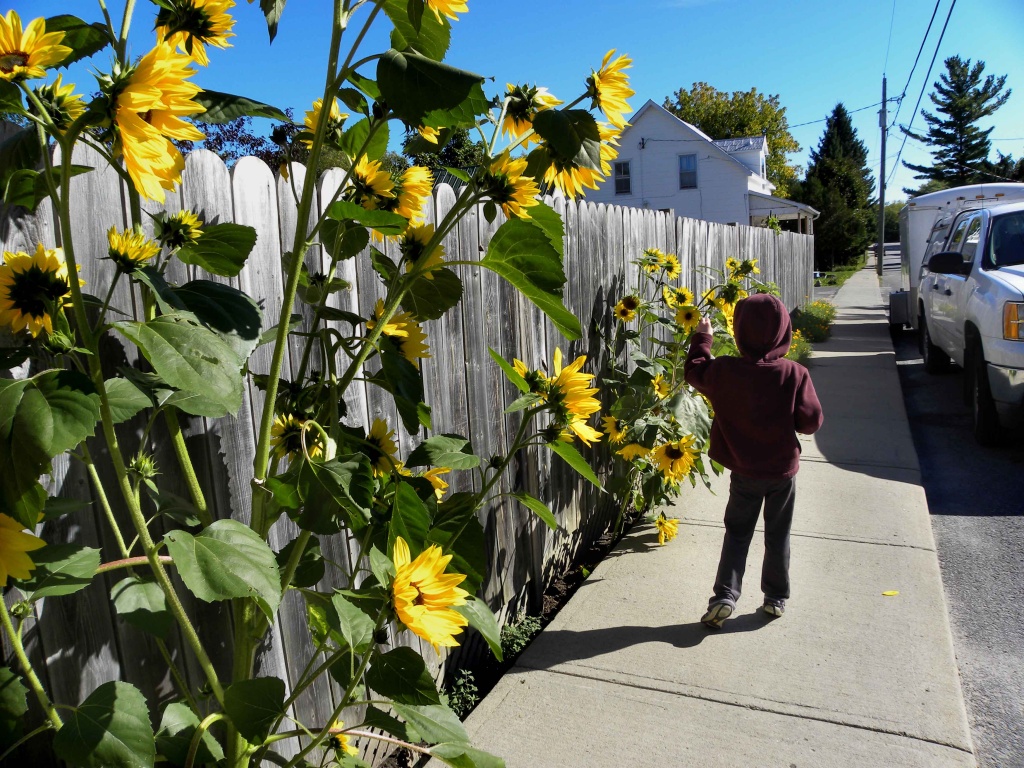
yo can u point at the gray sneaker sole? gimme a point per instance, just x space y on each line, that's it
716 615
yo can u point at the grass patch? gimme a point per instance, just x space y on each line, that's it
840 275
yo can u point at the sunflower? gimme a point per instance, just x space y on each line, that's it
61 103
609 146
424 595
434 476
287 438
428 134
405 331
177 230
27 54
652 260
568 175
729 312
371 185
670 266
380 448
668 528
524 102
449 8
661 386
677 297
506 186
688 316
614 428
15 544
730 293
335 123
572 397
413 247
633 451
148 104
191 25
535 380
675 460
732 266
609 88
626 309
130 249
32 289
414 189
339 740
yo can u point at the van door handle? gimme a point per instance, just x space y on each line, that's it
948 292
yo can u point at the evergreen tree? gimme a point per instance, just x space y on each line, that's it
742 113
839 185
961 98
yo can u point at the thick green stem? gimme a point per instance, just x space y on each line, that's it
26 667
197 737
101 494
185 462
131 562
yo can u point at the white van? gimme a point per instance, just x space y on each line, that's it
924 225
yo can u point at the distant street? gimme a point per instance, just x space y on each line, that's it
976 499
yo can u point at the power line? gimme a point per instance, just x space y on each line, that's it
924 85
903 93
888 45
849 112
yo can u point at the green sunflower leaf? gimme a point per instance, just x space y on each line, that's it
410 519
222 249
692 414
356 135
234 316
572 457
343 239
110 728
461 755
456 517
354 100
385 222
538 508
174 737
354 626
450 451
335 492
402 676
523 254
510 372
19 151
430 299
254 706
126 400
190 357
227 560
429 36
224 107
141 603
61 409
83 39
272 10
378 718
10 98
572 134
311 567
482 619
13 695
61 569
414 86
433 723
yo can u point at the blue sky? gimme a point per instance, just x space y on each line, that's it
812 53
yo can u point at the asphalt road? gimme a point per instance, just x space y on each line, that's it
976 499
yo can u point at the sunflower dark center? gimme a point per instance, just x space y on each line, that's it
673 453
13 59
630 303
186 18
34 291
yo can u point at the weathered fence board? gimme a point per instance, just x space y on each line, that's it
81 644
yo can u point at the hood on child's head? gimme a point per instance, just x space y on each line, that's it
762 327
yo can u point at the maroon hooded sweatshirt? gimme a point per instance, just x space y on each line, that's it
761 400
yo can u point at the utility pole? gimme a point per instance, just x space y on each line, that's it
882 122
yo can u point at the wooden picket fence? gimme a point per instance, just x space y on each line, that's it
79 643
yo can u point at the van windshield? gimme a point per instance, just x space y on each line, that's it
1006 246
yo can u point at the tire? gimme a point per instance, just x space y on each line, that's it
985 418
935 360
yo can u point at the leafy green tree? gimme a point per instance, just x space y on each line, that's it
892 220
742 113
459 152
961 97
839 185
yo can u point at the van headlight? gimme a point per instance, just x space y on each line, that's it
1013 321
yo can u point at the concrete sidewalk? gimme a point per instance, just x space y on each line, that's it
627 676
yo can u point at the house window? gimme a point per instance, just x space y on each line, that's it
622 183
687 171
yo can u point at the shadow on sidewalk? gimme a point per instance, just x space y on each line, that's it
563 646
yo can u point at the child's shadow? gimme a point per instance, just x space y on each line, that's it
561 646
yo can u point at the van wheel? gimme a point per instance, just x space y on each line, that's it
935 360
983 408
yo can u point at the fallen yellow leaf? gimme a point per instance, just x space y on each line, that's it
891 593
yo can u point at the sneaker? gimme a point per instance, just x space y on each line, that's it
774 608
716 615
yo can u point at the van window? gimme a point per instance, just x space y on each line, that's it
937 238
1006 246
957 238
971 238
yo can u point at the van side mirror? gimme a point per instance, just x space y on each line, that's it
948 263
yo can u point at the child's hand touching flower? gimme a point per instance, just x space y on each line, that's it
704 326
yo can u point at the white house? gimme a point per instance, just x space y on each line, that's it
665 163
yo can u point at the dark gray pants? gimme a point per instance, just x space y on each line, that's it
746 495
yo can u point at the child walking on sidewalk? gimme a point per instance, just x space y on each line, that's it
761 400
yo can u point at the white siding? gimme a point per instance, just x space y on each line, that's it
722 182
